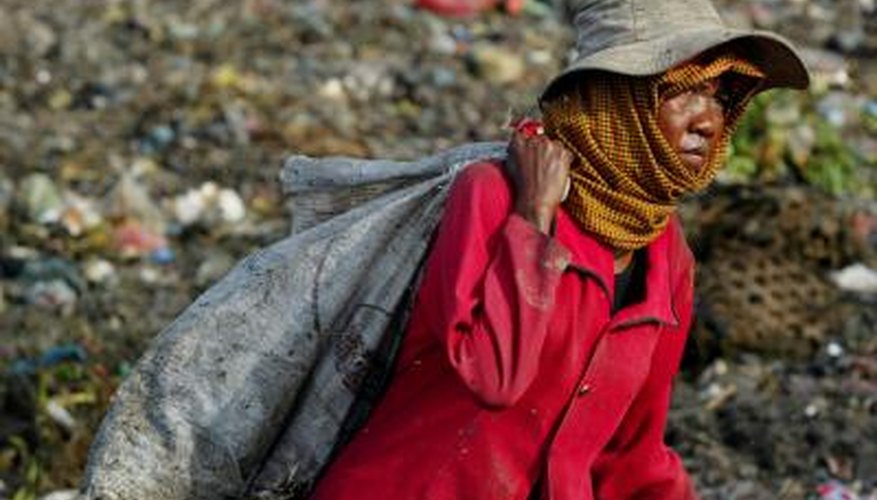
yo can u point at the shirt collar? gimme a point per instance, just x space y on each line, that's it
596 260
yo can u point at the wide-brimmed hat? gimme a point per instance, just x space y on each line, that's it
648 37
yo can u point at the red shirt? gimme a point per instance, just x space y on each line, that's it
513 369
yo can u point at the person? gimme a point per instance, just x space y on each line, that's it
550 320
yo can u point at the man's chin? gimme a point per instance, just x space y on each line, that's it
694 162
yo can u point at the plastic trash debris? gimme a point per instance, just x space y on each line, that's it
333 90
231 206
79 215
69 352
835 490
130 201
99 271
857 278
60 415
51 294
717 394
157 140
61 495
163 255
834 349
209 205
51 269
41 199
133 239
468 8
63 353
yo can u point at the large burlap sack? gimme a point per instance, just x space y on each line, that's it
246 394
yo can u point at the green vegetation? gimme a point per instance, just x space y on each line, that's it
809 138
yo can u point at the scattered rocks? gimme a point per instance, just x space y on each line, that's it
40 199
209 205
99 271
213 268
497 65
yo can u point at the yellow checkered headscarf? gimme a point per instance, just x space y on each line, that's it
626 178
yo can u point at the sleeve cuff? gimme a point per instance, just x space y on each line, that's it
537 248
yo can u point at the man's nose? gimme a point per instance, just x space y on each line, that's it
709 120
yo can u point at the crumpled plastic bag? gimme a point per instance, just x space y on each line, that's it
468 8
247 392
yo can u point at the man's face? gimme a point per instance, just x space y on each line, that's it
692 122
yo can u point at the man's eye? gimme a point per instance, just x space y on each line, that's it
723 99
708 87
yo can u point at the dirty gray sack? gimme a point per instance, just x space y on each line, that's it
245 393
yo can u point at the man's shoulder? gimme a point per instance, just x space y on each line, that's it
486 180
677 235
481 191
681 257
487 173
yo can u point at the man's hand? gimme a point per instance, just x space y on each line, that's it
540 168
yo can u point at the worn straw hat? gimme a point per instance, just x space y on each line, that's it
648 37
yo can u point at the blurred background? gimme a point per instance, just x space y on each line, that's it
140 144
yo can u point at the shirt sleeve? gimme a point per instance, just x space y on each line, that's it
490 286
637 463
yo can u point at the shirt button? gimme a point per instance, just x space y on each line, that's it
584 389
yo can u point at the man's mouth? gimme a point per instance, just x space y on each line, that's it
694 158
698 151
